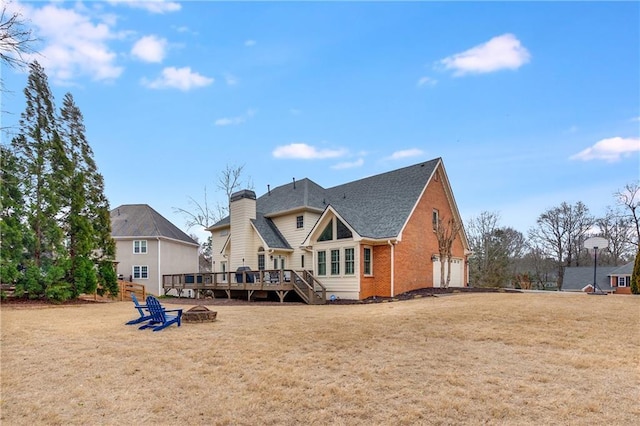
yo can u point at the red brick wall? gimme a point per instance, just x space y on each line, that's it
413 266
380 283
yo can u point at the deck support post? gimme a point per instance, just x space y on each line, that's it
228 294
249 294
282 294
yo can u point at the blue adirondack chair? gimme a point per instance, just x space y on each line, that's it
159 317
142 310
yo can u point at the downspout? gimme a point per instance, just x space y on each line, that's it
159 270
392 267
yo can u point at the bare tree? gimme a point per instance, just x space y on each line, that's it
446 234
618 230
495 250
204 214
16 38
560 232
629 197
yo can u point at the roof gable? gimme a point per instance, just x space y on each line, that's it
140 220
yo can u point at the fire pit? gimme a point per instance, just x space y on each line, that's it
199 314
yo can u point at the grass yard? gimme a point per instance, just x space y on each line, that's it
462 359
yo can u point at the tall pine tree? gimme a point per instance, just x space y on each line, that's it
42 159
89 235
14 234
65 209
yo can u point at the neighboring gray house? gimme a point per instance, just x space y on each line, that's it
149 246
580 278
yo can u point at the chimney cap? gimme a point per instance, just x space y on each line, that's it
245 193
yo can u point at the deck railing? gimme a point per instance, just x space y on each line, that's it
307 286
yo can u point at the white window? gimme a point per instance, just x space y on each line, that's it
349 261
435 218
624 281
322 262
140 246
261 262
367 254
335 262
140 272
299 222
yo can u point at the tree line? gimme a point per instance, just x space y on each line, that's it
55 219
505 257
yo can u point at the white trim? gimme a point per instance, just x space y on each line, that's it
159 268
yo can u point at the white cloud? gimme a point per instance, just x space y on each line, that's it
234 121
406 153
610 150
74 43
426 81
250 43
178 78
151 6
502 52
635 119
150 49
295 111
348 164
306 152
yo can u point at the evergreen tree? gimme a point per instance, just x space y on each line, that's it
88 221
13 232
42 162
635 275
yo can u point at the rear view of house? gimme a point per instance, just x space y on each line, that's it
371 237
148 246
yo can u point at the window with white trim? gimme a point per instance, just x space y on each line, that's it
140 272
322 262
349 261
299 222
367 255
624 281
140 246
261 262
435 218
335 262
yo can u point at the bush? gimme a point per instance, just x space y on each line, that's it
59 292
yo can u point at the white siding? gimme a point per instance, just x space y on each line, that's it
242 235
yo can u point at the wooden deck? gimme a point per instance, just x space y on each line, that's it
254 283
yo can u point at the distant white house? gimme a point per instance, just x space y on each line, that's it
149 246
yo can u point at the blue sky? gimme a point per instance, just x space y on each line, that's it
529 104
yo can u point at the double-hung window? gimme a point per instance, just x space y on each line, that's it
366 254
335 262
140 246
349 261
322 262
624 281
299 222
141 272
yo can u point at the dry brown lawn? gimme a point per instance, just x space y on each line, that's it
462 359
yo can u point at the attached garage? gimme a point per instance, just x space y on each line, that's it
457 272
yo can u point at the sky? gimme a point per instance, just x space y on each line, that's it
529 104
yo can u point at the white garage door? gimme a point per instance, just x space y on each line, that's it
457 273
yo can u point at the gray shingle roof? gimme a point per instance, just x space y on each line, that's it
378 206
578 277
626 269
375 207
270 233
140 220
